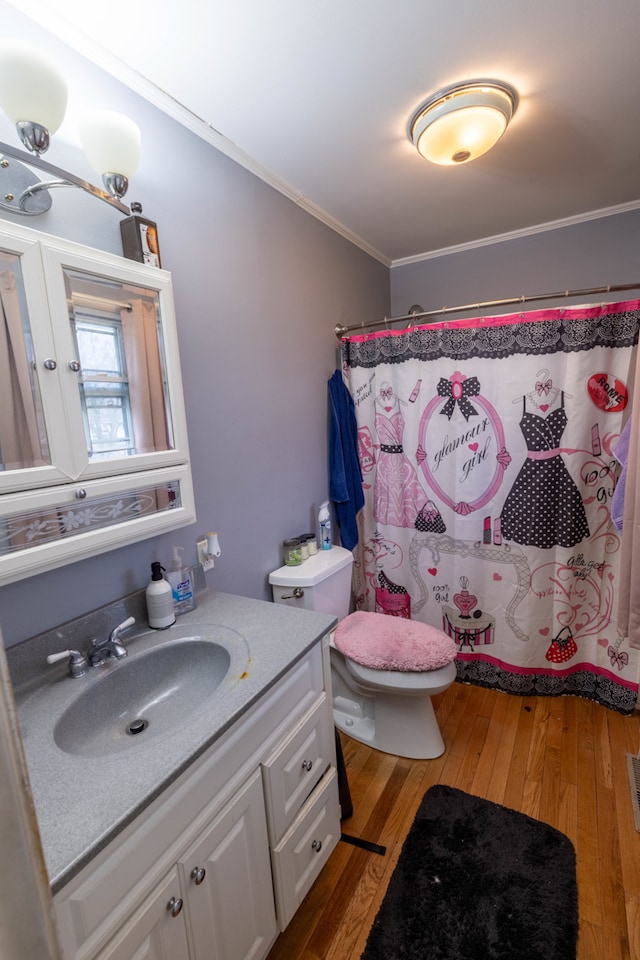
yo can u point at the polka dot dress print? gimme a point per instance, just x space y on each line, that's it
544 507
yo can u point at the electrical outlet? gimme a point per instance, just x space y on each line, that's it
203 557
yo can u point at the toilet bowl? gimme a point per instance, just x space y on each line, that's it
389 710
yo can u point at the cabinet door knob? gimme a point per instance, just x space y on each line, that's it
307 764
50 364
174 906
81 493
317 846
197 875
74 365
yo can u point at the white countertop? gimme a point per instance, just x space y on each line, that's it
81 802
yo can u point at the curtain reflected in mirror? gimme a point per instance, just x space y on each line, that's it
23 441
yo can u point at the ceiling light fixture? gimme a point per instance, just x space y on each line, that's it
463 121
33 94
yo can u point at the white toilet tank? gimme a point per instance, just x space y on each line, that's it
324 582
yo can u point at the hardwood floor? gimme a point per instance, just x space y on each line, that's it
561 760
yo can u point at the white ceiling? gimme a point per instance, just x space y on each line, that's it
317 96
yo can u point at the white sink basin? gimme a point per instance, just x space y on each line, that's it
144 696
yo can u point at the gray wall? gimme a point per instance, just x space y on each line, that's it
592 254
259 285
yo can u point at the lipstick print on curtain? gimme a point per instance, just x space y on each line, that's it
499 472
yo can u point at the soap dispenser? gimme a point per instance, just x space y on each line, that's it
159 597
181 584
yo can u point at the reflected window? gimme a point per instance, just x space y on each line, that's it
104 388
122 377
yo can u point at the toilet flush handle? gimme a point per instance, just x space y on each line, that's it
297 594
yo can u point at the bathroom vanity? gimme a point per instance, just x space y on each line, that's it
199 837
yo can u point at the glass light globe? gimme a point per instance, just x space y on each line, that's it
111 142
32 88
462 135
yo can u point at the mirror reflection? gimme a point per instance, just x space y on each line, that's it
23 440
121 376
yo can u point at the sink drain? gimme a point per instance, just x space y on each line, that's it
137 726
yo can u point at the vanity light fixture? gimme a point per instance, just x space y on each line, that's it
463 121
33 94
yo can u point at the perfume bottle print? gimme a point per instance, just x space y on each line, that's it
465 601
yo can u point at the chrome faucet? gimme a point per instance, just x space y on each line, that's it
100 650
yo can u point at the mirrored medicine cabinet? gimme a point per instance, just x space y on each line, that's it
93 439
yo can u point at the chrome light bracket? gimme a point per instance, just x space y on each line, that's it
22 191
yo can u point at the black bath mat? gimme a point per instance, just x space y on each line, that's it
478 880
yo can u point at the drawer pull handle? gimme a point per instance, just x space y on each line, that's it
197 875
317 846
174 906
307 765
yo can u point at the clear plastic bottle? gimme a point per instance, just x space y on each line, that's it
181 584
324 526
159 597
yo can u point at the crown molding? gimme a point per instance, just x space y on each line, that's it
517 234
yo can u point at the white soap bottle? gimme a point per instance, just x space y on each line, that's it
181 584
160 611
324 526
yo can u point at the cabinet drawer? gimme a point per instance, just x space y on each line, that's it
306 847
292 771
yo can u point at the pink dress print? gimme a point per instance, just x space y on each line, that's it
397 494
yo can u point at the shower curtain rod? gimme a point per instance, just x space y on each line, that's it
417 313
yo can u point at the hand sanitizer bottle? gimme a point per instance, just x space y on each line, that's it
181 584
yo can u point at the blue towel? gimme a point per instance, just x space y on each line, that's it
345 475
621 453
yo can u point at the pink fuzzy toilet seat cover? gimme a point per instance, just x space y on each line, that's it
392 643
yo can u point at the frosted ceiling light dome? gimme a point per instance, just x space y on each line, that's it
464 121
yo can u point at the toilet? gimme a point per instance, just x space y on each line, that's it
389 710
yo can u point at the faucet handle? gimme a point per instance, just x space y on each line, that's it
78 664
115 633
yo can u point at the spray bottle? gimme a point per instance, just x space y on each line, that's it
324 526
181 584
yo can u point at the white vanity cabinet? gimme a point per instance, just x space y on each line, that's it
93 439
193 913
220 861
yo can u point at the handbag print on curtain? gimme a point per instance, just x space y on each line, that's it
487 455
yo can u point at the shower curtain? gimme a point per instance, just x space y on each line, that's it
487 449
